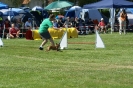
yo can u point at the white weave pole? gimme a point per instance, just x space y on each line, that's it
63 42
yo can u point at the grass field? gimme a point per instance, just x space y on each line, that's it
22 65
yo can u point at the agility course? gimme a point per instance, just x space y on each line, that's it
79 66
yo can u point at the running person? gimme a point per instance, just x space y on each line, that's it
44 33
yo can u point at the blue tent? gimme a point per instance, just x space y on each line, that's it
73 12
3 6
109 4
10 13
18 10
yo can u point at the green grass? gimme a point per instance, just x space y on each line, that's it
22 65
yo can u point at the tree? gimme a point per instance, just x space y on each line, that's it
16 3
83 2
130 0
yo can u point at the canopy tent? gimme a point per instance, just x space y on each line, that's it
20 11
73 11
130 15
90 14
3 6
38 18
59 5
110 4
10 13
37 8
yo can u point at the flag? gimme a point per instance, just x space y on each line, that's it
63 42
99 42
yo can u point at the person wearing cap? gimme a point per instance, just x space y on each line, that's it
44 33
102 25
122 21
28 24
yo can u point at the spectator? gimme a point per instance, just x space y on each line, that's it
72 20
68 23
60 22
55 24
102 26
76 23
95 21
7 26
86 21
19 23
14 32
28 24
122 21
90 22
91 25
81 22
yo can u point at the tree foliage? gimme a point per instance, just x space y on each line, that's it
16 3
83 2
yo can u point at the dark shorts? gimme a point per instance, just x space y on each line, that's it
45 35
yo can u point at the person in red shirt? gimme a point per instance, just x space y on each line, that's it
102 25
14 32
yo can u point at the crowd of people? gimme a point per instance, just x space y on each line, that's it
82 25
78 23
13 29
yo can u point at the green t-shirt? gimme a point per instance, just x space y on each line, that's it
45 25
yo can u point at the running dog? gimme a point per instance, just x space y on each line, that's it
56 47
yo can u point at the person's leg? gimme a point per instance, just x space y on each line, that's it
124 27
17 34
45 36
104 29
120 29
43 43
11 36
52 42
101 29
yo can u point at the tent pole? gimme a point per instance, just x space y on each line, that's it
112 19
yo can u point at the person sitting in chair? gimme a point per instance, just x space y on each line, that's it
28 24
14 32
102 26
68 23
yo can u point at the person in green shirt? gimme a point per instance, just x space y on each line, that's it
44 33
